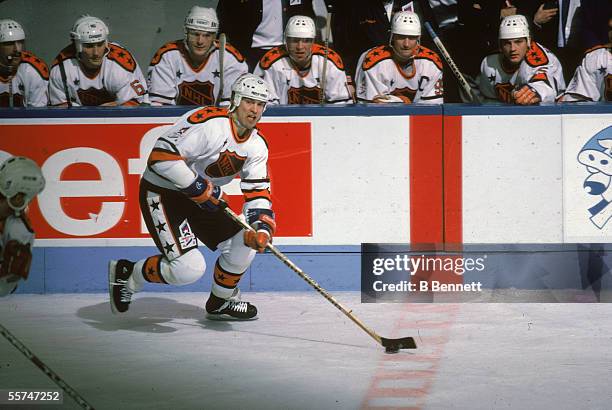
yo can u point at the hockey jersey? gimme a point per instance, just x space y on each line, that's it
592 80
28 85
540 70
119 79
289 86
206 139
15 228
174 80
379 74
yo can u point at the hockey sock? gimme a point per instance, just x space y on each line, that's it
224 282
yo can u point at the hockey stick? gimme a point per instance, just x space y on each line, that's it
462 81
390 345
52 375
326 55
221 58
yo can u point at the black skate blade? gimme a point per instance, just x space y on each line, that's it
394 345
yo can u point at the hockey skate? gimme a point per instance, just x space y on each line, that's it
230 309
118 274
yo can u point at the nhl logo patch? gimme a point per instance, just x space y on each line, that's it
186 239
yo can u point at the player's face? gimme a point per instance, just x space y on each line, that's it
514 49
249 112
10 52
199 42
93 54
300 50
404 46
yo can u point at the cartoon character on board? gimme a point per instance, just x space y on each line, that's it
596 155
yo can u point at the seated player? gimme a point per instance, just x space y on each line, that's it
523 72
302 72
95 72
403 71
188 71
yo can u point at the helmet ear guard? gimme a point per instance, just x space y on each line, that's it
249 86
20 175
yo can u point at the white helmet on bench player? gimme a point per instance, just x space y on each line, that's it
249 86
20 175
406 23
87 30
515 26
202 19
300 27
10 30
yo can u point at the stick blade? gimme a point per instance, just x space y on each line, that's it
394 345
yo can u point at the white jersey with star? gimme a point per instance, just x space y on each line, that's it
206 140
540 70
119 79
287 85
29 84
379 74
174 80
592 80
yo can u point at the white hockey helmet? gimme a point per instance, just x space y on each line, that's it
406 23
10 30
20 175
515 26
249 86
202 19
300 27
88 29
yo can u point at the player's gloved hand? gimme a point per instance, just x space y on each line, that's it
16 260
207 195
262 221
526 96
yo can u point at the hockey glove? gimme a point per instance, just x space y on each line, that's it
16 260
262 221
526 96
207 195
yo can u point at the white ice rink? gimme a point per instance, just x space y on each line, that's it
302 353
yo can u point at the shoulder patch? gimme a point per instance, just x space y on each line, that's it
331 54
122 57
273 55
173 45
66 54
37 63
207 113
430 55
232 50
376 55
536 56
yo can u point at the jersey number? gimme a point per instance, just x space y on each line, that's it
137 87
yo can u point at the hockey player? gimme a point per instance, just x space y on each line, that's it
23 76
523 72
592 80
20 181
403 71
296 71
188 72
181 201
94 71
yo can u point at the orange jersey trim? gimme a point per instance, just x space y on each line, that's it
122 57
250 195
158 155
427 54
536 56
232 50
331 55
207 113
272 56
376 55
37 63
173 45
67 53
